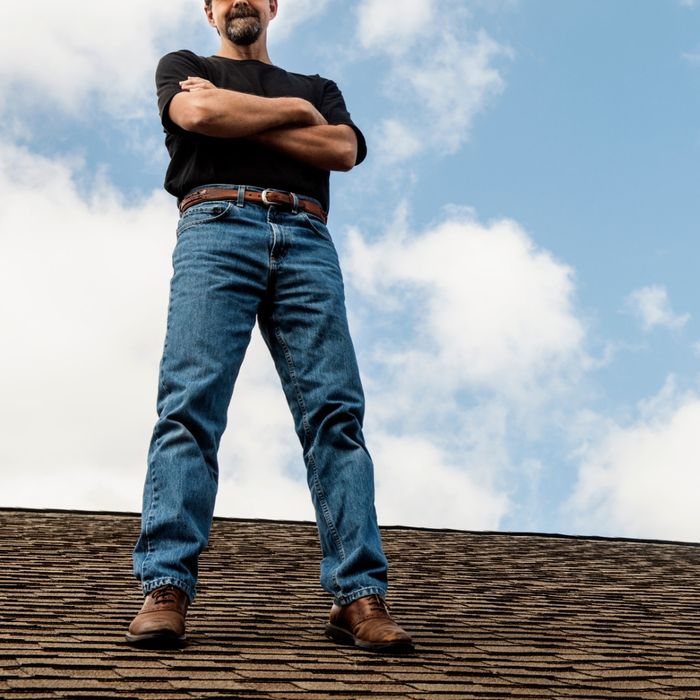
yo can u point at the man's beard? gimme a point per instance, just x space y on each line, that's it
243 25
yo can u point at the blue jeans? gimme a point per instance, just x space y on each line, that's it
235 262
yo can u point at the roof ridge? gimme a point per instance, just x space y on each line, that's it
415 528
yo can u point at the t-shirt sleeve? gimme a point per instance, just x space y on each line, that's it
334 110
173 68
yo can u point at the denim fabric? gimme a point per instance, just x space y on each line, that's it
234 263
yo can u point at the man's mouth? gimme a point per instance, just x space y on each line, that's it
242 12
243 25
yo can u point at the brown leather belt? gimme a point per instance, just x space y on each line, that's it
269 198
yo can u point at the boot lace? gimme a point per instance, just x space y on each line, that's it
376 602
165 594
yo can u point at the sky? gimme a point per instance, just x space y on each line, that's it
520 253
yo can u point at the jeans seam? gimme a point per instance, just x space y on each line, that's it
307 433
278 243
151 508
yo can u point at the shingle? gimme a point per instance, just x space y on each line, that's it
494 615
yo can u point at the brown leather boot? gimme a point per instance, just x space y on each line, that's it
161 621
366 623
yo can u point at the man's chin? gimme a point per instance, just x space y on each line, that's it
244 31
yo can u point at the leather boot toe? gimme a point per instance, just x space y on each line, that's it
366 623
161 620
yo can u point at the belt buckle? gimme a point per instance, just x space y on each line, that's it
293 206
267 202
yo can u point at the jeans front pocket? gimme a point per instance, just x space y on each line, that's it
203 213
317 225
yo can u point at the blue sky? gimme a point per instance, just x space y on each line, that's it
519 252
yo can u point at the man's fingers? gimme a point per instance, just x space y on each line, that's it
195 83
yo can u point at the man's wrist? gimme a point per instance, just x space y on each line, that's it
297 111
301 113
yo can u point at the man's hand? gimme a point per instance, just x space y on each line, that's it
193 83
203 108
315 117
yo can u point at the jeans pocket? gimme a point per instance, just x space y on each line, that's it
317 225
203 213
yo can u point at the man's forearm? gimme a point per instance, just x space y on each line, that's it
326 147
229 114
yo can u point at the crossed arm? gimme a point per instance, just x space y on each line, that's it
290 125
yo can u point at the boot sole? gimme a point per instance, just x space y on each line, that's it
156 640
342 636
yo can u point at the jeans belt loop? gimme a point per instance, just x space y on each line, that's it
240 202
295 203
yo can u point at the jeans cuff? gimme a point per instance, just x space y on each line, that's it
360 593
149 586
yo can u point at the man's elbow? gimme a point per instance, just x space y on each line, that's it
346 157
192 111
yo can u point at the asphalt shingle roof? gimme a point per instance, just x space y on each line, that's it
493 615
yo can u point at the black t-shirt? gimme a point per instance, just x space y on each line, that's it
197 160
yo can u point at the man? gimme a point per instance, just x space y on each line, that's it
252 147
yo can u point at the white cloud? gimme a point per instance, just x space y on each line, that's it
642 479
396 142
79 49
419 485
481 340
453 83
488 308
382 25
291 14
84 289
441 73
653 308
84 284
